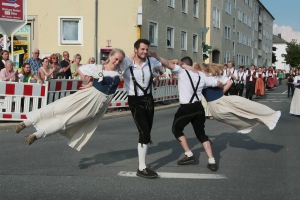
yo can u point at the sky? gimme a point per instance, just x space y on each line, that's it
287 16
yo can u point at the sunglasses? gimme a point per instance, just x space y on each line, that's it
36 53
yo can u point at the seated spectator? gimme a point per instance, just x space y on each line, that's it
4 56
91 60
28 76
75 66
45 72
57 69
8 73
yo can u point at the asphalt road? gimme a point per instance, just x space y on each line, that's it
261 165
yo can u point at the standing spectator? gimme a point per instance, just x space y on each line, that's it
290 83
75 66
45 72
280 76
295 104
8 73
91 60
35 62
3 58
259 85
57 69
66 64
250 82
231 74
241 81
28 76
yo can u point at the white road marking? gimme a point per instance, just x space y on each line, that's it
284 92
277 101
178 175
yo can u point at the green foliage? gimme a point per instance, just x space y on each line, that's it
292 55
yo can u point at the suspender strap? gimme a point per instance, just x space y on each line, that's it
231 77
195 89
136 84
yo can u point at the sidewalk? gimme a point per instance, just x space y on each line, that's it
111 114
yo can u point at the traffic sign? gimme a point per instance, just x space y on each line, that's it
13 15
12 10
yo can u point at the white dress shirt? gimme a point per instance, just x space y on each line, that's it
184 84
233 71
141 74
240 76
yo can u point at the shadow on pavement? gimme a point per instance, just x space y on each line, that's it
220 143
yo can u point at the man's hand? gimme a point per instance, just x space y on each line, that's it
152 54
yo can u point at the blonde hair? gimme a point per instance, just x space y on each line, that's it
116 50
211 68
77 56
91 58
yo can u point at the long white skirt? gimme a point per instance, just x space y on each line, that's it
205 106
295 104
243 114
76 116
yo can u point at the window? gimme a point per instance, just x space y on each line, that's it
226 57
153 33
249 21
250 3
195 43
233 26
227 32
256 9
171 3
196 8
233 48
183 41
71 30
170 37
228 6
240 15
216 17
184 6
244 18
234 4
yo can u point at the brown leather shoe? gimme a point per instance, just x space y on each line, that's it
30 139
19 127
212 167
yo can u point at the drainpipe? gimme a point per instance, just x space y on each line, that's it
96 32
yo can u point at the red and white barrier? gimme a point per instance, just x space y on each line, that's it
17 99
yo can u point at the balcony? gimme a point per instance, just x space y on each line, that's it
259 36
260 19
259 52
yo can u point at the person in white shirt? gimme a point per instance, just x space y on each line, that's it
138 82
190 85
231 74
250 82
241 79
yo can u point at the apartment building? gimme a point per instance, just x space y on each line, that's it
280 45
240 31
95 27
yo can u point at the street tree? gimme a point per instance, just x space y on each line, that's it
292 56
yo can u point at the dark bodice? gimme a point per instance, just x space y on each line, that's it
212 93
108 85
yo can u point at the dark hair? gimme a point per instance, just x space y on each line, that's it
45 59
187 60
241 67
139 41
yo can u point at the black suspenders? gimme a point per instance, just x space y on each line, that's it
136 84
195 89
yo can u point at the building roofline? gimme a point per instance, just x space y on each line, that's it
265 9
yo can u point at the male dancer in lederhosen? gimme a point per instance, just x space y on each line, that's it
138 83
190 85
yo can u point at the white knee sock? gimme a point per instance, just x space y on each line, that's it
211 160
142 151
38 134
27 122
